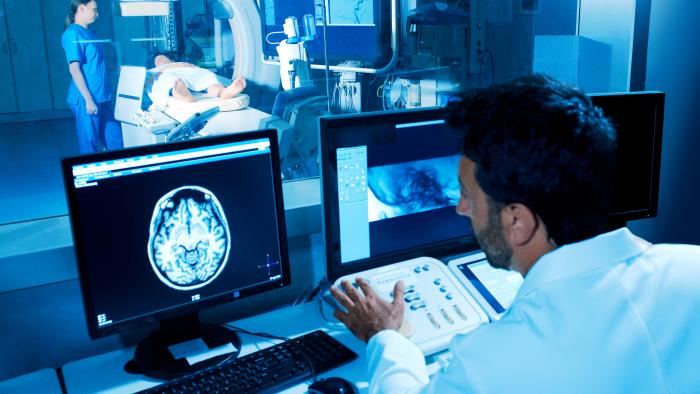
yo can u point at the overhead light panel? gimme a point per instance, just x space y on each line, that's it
144 8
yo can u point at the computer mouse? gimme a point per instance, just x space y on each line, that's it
332 385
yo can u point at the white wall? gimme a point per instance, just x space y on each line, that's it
673 66
611 23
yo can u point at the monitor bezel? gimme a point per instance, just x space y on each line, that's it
657 98
329 194
96 332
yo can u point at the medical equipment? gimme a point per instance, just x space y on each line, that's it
494 289
347 94
294 66
154 120
191 126
291 29
437 305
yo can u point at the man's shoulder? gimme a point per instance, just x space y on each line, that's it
679 259
677 249
663 272
674 256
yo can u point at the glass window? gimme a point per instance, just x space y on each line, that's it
432 51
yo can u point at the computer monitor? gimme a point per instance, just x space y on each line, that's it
164 231
389 181
638 118
390 188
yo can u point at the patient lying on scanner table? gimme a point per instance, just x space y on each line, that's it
180 79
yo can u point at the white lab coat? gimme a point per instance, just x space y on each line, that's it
611 314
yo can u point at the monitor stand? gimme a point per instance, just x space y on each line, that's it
153 358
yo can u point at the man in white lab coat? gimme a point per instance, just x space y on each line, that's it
598 311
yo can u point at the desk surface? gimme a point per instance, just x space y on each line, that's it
105 372
41 381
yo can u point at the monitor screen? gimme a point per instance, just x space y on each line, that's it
390 189
638 118
166 230
347 23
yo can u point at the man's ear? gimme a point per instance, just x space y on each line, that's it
519 224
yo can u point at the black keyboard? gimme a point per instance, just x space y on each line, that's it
269 370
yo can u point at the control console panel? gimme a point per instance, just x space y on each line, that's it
437 305
154 121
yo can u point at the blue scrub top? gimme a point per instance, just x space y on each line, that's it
81 46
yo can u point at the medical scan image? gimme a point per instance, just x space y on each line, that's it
190 241
412 187
351 12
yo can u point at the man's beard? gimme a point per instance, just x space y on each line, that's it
492 241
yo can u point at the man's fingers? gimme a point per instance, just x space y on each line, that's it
398 293
342 298
342 316
365 287
350 291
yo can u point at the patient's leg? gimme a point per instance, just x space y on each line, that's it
181 92
215 90
233 89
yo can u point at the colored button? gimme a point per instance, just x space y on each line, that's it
412 297
437 281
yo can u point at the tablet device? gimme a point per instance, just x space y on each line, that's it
493 288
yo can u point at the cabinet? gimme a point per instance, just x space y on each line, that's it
8 103
54 15
24 75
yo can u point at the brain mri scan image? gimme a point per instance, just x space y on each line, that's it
412 187
189 240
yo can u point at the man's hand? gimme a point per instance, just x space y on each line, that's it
367 315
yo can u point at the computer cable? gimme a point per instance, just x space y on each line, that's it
267 37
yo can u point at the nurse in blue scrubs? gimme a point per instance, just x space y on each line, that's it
90 93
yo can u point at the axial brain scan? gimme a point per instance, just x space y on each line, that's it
189 238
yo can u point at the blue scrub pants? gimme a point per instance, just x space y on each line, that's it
97 132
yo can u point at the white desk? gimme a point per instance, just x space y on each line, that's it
41 381
105 373
222 123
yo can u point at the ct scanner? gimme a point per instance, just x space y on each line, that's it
244 19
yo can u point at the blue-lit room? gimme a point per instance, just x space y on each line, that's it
349 196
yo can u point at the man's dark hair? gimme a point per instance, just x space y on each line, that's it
539 142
